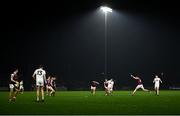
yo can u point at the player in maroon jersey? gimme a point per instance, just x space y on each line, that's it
93 87
49 86
14 86
139 86
53 84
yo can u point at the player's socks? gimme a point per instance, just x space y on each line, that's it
42 97
37 98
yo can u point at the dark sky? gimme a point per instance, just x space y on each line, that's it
67 37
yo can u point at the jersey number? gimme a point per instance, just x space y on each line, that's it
39 72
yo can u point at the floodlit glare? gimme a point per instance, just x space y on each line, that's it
106 9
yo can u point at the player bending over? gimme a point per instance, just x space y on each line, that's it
93 87
40 76
49 86
157 82
48 80
139 86
53 82
21 87
14 86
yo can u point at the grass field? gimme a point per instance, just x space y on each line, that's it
82 102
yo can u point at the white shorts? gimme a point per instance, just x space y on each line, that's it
21 87
40 83
11 86
140 86
93 88
156 86
49 87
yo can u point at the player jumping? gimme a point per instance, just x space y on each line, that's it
93 87
14 86
157 82
40 76
140 85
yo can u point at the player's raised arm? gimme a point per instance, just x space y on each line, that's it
95 82
160 80
134 77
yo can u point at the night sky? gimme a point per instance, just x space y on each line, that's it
67 38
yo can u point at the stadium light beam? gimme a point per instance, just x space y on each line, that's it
106 10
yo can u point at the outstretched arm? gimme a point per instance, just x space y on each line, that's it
95 82
134 77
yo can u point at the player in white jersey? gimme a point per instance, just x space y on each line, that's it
40 77
110 86
157 82
106 86
21 87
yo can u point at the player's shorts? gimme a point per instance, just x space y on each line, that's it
40 83
21 87
140 86
93 88
49 87
11 86
156 86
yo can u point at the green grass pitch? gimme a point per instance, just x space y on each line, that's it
82 102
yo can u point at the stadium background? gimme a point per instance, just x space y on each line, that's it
68 39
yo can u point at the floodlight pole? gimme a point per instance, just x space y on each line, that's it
105 37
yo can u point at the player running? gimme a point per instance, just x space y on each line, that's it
40 76
93 87
157 82
139 86
14 86
21 87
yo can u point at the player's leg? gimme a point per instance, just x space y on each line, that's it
146 90
106 91
47 90
137 87
22 90
52 90
157 90
109 90
16 90
11 86
94 90
134 91
37 92
91 89
42 92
